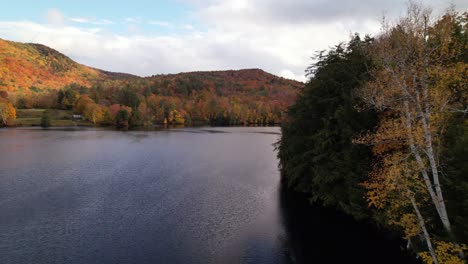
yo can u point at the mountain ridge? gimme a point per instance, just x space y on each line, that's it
25 65
35 76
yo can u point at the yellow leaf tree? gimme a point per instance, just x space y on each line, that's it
416 76
7 113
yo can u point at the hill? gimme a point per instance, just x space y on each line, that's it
34 65
36 76
250 82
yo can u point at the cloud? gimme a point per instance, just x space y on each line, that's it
212 50
187 27
299 11
170 25
290 75
134 29
313 11
55 17
84 20
277 37
80 20
281 45
133 20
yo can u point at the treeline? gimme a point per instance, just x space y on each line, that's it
218 98
380 131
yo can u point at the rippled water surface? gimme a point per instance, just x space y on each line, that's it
195 195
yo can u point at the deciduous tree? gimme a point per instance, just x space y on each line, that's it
7 113
417 71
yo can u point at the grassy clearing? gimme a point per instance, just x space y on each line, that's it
32 117
37 113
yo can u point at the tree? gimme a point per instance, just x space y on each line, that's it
66 98
176 117
82 103
153 108
24 103
416 75
136 119
128 96
7 113
94 113
45 119
145 112
121 119
316 152
3 94
455 169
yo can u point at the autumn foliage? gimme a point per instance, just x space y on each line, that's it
408 166
35 76
33 65
7 113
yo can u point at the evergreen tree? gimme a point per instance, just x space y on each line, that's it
121 119
45 119
316 152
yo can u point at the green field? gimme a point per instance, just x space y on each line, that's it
32 117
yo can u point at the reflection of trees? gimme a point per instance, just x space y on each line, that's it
323 235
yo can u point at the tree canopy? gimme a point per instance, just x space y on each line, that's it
380 131
317 155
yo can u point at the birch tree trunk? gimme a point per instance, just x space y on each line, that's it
422 224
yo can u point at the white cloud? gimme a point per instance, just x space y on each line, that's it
281 51
133 20
291 75
55 17
187 27
80 20
237 34
134 29
84 20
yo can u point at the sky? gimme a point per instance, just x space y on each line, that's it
144 37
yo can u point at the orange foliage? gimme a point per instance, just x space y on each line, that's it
7 113
33 74
33 65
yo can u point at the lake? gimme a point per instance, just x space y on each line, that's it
191 195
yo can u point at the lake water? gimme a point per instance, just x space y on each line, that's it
193 195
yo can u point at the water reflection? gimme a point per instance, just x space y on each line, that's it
320 235
201 195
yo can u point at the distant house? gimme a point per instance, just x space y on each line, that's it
77 117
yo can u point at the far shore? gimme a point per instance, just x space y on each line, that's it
64 119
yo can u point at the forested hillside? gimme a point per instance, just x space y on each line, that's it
23 66
35 76
380 132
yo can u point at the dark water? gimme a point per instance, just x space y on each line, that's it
206 195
